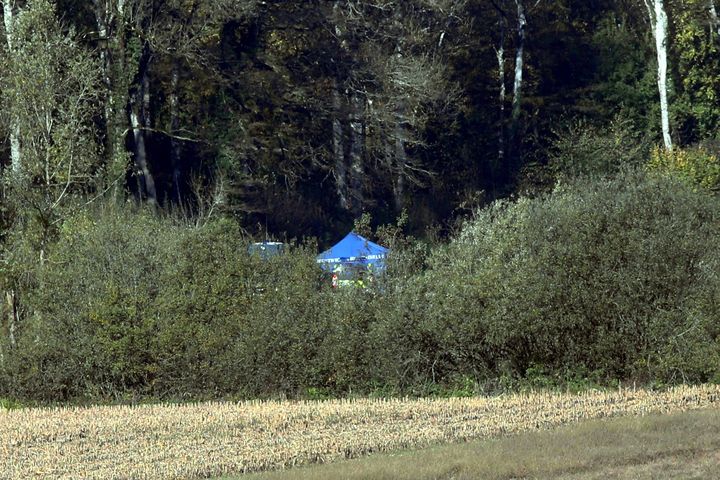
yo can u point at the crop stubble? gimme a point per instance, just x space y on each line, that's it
213 439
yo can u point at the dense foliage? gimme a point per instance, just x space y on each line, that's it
544 230
295 117
599 280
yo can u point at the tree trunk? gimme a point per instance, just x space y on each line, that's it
11 303
10 315
500 54
517 86
659 22
102 16
139 111
399 158
110 20
357 145
339 161
513 153
15 151
348 159
714 17
400 162
174 127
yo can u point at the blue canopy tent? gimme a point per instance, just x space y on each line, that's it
352 255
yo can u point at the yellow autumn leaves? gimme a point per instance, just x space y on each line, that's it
695 166
213 439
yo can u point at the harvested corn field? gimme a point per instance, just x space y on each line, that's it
212 439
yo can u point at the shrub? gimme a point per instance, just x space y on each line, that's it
601 279
695 166
283 329
343 361
584 149
135 304
205 288
89 330
616 277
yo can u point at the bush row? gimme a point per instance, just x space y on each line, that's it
604 279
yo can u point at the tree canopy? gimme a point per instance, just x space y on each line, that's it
296 117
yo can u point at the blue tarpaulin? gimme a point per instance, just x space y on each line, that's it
354 250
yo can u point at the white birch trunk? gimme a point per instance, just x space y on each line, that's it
9 20
500 54
714 17
15 151
661 44
12 307
517 85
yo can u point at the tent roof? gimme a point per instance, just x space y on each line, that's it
351 248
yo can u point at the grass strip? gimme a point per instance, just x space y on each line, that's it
684 445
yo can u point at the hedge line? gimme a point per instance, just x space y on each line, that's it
600 280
